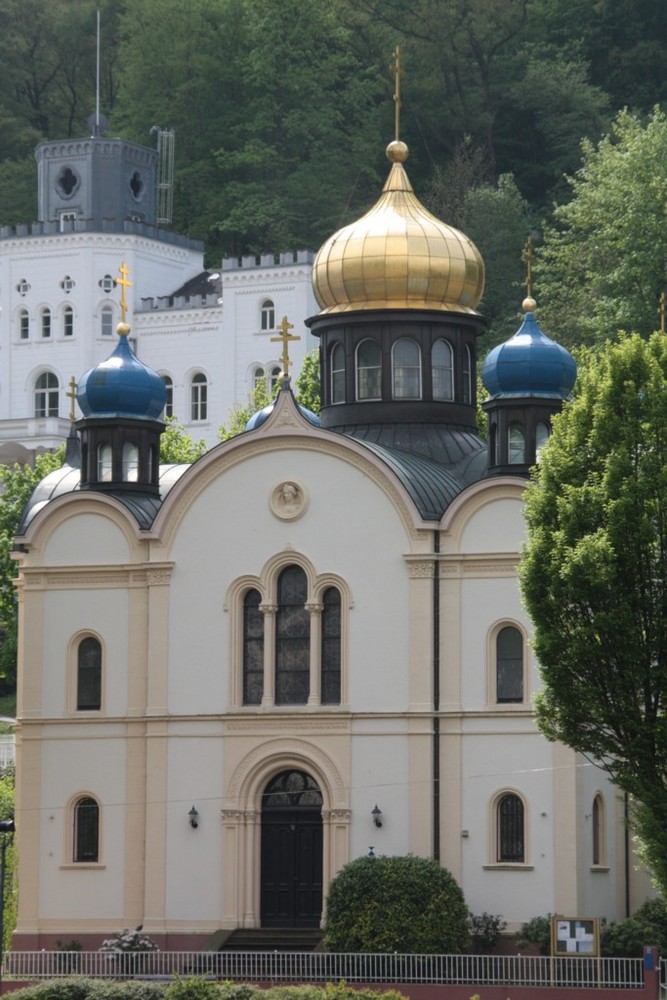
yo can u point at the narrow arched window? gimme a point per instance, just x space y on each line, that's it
199 397
598 830
130 462
258 378
442 370
253 649
541 437
516 445
331 645
369 370
467 375
47 395
24 324
267 316
493 444
406 369
338 374
274 376
169 397
104 463
292 638
510 829
68 322
106 325
509 665
46 322
89 675
86 830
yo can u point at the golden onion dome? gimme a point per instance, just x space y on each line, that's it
398 256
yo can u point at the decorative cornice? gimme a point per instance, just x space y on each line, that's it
86 577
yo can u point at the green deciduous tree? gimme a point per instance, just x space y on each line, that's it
403 904
594 578
177 446
308 382
602 266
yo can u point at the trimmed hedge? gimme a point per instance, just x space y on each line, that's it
196 988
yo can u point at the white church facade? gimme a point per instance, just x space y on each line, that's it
239 675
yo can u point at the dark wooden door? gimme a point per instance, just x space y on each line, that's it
291 861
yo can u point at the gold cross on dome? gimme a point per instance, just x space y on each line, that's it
71 395
285 336
396 70
661 312
124 283
528 259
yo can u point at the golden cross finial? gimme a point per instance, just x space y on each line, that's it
124 283
528 260
396 70
71 395
661 312
285 336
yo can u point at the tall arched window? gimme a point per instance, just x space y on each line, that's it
338 374
516 445
258 378
104 463
274 376
253 649
267 316
89 675
24 324
46 322
510 839
331 647
68 321
106 324
442 370
541 437
86 830
292 638
467 373
369 370
130 461
199 397
169 398
509 665
599 844
406 369
47 395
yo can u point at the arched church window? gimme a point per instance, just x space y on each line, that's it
106 325
541 437
292 638
199 397
510 839
24 324
46 322
258 377
274 376
267 316
516 445
104 463
493 444
47 395
338 374
467 375
68 321
331 647
509 665
130 462
369 370
442 370
406 369
89 675
86 830
598 830
253 649
169 397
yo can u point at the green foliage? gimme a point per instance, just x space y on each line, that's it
11 896
536 931
308 382
594 577
177 446
601 268
194 988
404 904
80 988
240 415
485 930
627 938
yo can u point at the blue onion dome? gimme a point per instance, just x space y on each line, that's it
529 363
121 386
257 419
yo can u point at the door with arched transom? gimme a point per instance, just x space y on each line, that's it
291 855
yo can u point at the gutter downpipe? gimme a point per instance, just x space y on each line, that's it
436 697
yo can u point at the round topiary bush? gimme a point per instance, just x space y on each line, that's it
403 904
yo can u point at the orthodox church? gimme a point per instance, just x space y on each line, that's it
308 646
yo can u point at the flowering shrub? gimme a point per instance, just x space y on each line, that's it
125 941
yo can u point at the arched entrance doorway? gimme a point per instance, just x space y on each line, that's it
291 855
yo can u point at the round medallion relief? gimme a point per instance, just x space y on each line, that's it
288 500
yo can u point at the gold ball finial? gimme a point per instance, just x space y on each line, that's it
123 329
529 304
397 151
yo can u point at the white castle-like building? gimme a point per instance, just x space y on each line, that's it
208 333
239 675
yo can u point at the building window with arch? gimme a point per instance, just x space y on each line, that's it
24 324
598 832
106 324
253 649
337 369
468 371
198 397
292 638
68 322
46 322
169 397
442 370
104 463
47 395
509 665
516 445
330 647
542 432
267 315
86 817
274 376
258 378
130 462
89 675
369 370
510 833
406 369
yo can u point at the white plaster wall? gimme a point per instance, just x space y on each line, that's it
86 539
498 526
380 776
